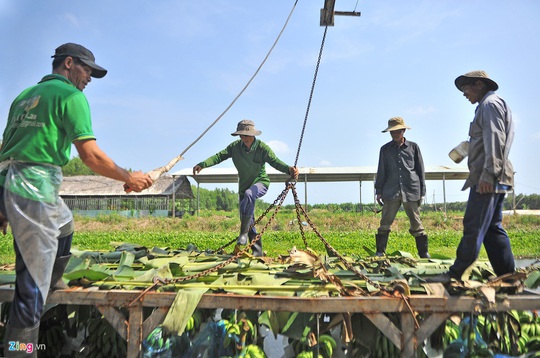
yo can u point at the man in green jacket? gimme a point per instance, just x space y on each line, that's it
249 156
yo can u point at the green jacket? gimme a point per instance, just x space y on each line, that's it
250 164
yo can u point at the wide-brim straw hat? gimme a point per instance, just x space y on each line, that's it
246 127
476 75
395 123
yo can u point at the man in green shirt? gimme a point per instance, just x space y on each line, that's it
249 156
43 122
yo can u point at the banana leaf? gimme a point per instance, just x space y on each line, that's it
181 310
533 280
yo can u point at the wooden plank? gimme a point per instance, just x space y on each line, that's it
430 324
116 319
386 326
134 343
440 306
420 303
408 337
347 13
154 320
327 14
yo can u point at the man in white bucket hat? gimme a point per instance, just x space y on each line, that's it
249 156
491 176
400 181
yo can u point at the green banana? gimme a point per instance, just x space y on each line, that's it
190 324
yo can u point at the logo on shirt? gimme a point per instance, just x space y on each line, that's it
26 119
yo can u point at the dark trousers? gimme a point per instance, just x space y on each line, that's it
247 203
482 224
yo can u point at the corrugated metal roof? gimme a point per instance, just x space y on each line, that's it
96 185
319 174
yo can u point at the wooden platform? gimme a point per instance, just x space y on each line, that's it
439 306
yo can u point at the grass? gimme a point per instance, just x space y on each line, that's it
348 233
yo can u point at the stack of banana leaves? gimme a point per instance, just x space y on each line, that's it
299 273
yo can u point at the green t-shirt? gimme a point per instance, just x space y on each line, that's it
250 164
44 120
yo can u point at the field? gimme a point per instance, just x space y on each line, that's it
348 233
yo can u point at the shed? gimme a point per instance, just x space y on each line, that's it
93 194
323 174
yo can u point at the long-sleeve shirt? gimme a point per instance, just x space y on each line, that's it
250 164
400 173
491 135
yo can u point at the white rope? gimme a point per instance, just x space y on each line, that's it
156 173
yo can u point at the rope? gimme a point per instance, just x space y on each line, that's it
247 84
310 96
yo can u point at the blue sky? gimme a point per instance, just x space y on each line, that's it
174 67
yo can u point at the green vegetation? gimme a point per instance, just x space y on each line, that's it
347 232
75 166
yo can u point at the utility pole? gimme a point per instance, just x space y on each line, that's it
327 13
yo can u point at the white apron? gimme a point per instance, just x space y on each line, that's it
35 213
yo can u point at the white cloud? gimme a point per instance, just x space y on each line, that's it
420 110
278 147
72 19
325 163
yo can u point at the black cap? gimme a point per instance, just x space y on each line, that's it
83 54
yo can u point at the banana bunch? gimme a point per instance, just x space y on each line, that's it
451 333
530 325
53 338
327 345
384 348
529 339
103 340
194 321
239 333
513 333
300 346
533 345
488 327
306 346
252 351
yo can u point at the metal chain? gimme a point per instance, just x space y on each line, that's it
277 205
310 96
299 209
279 201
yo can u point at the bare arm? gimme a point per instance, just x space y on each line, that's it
100 163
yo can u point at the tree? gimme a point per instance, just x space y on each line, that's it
226 200
76 167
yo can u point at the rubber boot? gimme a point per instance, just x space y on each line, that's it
256 249
381 240
21 342
245 223
58 271
422 246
